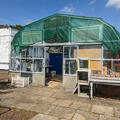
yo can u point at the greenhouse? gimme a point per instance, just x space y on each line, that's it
51 48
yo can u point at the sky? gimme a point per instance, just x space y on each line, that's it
26 11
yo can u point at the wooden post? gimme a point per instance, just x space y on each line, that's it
102 60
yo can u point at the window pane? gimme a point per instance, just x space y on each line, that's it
26 65
30 52
12 52
35 52
27 52
23 52
12 65
38 52
70 66
73 52
38 65
83 63
29 65
23 65
17 65
73 66
67 66
66 52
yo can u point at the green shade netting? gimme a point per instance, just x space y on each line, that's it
60 28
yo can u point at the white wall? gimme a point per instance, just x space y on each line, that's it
6 36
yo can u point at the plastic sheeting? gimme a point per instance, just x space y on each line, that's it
60 28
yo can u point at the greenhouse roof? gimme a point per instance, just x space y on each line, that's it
62 28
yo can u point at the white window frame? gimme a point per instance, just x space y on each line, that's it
65 59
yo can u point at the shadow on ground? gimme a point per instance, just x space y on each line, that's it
5 87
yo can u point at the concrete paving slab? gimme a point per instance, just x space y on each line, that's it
47 93
25 106
47 100
41 108
60 104
61 112
51 109
63 103
80 115
81 106
62 95
59 94
24 99
34 98
103 117
8 102
117 112
44 117
105 110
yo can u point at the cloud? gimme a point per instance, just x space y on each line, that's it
92 2
68 9
27 21
113 3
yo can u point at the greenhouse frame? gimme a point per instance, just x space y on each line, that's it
51 47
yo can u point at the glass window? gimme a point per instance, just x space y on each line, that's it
70 52
12 65
26 65
66 52
23 65
23 53
29 52
12 52
38 52
35 52
83 64
17 65
73 66
38 65
70 66
73 52
29 65
67 67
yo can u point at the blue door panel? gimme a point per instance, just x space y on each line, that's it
56 62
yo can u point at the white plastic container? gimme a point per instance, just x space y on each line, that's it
20 81
53 73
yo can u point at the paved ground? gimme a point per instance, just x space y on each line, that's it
54 103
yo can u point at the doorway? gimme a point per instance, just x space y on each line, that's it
54 63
